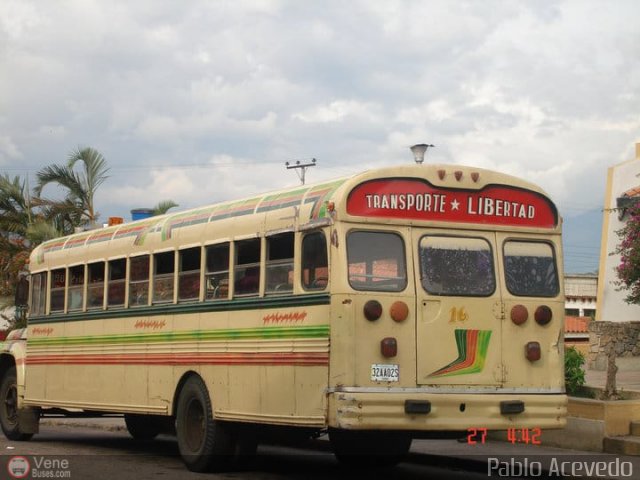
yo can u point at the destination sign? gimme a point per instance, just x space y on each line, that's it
417 199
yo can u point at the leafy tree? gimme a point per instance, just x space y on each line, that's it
163 207
78 207
628 270
573 370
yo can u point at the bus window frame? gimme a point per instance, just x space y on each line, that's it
125 280
278 263
303 235
81 287
62 289
131 282
494 268
253 265
163 276
553 256
88 283
181 273
395 232
207 274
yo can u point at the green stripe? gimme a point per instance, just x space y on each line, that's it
310 331
187 308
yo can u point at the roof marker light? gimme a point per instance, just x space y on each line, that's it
458 175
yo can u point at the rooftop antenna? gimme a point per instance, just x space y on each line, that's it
301 168
419 151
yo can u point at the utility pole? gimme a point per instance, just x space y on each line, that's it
301 168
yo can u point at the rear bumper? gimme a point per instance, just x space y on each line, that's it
444 411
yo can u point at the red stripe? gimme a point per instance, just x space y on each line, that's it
184 359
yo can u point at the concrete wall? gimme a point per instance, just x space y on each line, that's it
625 338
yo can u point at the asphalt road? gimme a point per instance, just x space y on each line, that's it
86 453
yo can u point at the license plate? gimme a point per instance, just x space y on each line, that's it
385 372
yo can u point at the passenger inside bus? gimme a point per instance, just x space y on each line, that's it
249 282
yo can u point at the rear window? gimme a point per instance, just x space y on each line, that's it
376 261
458 266
530 269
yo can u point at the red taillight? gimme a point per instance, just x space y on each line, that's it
543 315
519 314
399 311
372 310
389 347
532 351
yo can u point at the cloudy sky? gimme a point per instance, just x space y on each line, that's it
201 101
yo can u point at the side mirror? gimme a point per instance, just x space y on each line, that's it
22 292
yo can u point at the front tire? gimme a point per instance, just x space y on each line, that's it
9 419
205 443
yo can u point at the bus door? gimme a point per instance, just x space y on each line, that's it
459 326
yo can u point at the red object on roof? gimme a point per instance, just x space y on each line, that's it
576 324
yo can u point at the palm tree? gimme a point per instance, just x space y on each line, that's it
78 206
20 222
163 207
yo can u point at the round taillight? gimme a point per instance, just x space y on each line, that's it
532 351
372 310
389 347
399 311
543 315
519 314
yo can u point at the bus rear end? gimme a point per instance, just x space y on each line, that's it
449 318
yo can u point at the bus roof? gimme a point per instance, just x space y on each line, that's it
417 194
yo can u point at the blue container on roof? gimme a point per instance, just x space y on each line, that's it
141 213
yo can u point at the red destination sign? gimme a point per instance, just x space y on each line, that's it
419 200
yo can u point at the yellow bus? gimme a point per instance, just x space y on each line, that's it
402 302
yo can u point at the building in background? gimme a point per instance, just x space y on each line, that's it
623 186
580 308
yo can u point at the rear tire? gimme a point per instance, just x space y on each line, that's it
143 427
9 419
205 443
369 449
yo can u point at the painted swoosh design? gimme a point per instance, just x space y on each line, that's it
473 346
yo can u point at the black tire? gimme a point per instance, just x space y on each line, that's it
369 449
9 407
205 444
143 427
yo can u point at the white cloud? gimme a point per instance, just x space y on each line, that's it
550 90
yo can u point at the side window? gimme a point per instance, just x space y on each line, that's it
530 269
163 268
315 267
457 266
189 274
217 276
95 288
38 293
247 267
76 288
116 286
139 281
279 269
376 261
57 290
